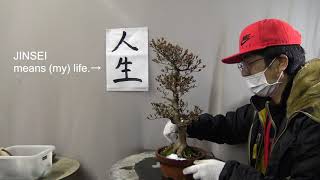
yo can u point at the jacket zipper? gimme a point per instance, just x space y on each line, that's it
272 122
275 129
261 123
258 145
272 147
260 138
286 126
249 137
287 123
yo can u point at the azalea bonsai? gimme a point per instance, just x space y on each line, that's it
176 80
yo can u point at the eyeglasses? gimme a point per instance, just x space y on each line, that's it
244 65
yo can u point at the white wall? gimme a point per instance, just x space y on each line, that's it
97 127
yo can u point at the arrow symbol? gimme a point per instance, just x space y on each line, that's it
96 67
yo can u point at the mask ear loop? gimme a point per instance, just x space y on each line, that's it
277 82
279 78
269 64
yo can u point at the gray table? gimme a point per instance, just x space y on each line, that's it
62 168
141 166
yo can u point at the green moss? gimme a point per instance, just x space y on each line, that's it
167 151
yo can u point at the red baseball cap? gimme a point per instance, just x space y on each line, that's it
262 34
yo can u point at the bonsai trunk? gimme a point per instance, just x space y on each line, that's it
181 144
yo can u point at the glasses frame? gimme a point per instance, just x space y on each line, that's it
244 66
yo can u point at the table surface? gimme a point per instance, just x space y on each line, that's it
137 166
143 166
62 168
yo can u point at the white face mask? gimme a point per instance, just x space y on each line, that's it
259 85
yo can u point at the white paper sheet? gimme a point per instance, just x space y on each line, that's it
127 59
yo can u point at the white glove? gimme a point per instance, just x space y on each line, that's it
208 169
170 131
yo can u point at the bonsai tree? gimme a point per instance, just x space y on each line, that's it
176 80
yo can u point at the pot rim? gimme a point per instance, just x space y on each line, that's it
179 163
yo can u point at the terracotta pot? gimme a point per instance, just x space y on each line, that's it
172 169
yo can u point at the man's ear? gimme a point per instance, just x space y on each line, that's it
283 62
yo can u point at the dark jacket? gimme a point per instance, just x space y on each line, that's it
295 133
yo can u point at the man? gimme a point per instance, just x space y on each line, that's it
281 124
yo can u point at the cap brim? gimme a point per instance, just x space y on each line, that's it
236 58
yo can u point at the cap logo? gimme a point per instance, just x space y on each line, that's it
245 38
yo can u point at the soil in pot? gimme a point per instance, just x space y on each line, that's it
172 169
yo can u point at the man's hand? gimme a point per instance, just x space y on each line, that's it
170 131
208 169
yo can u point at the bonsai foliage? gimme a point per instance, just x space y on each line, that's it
175 80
